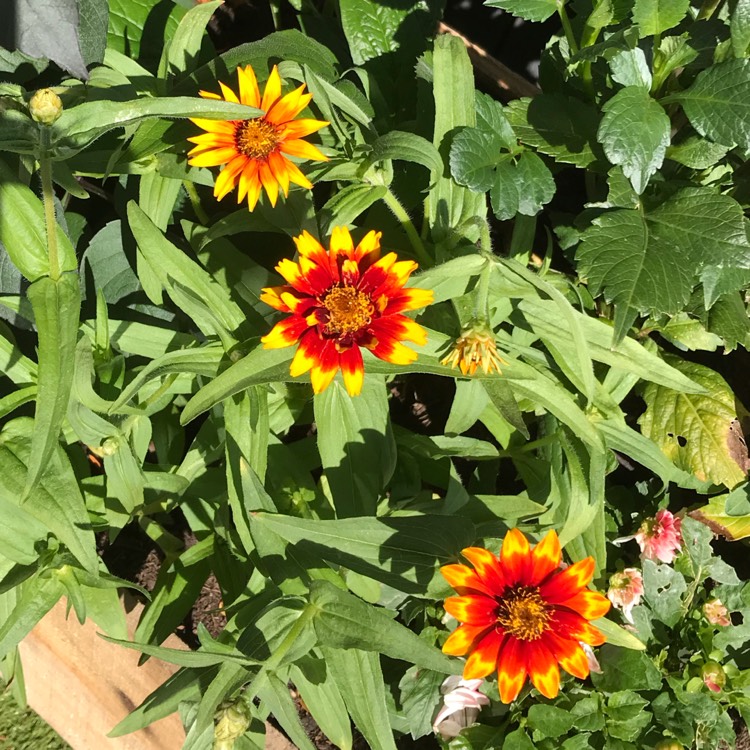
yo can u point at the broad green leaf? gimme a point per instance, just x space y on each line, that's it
635 134
11 402
56 307
740 28
695 430
663 588
656 16
718 103
559 126
130 31
723 515
450 279
157 195
689 334
316 687
92 29
343 621
38 596
187 40
23 230
420 696
450 205
529 10
356 445
517 740
627 356
276 697
416 546
473 157
80 125
56 500
630 68
696 152
351 201
359 678
19 531
109 265
626 717
549 721
403 146
625 669
523 185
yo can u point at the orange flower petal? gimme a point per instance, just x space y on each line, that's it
284 333
302 150
353 370
288 106
408 299
462 638
249 92
229 95
326 368
465 580
269 183
483 658
341 242
571 625
473 609
589 604
487 567
253 192
291 131
248 180
295 175
568 582
511 670
307 354
369 245
569 654
277 164
515 557
214 157
227 179
272 90
545 558
222 127
272 295
542 668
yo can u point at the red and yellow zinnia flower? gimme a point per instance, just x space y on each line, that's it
522 615
254 151
342 299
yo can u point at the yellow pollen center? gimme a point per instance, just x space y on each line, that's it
523 613
348 310
256 138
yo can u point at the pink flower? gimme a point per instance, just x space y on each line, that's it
626 590
462 702
716 613
659 538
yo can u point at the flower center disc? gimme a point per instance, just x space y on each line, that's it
348 310
256 138
523 613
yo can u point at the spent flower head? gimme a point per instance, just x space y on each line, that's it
255 151
660 537
716 613
475 347
625 591
523 616
462 702
341 300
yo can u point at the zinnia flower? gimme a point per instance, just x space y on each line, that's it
475 347
340 300
522 615
659 538
254 151
462 703
716 613
626 590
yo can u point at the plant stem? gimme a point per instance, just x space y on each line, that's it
567 28
411 232
485 240
481 305
48 198
196 202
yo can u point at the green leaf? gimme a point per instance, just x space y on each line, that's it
23 232
188 38
351 201
92 29
624 669
450 279
655 16
19 531
403 146
316 687
718 103
630 68
473 156
183 657
356 445
740 28
56 307
717 516
587 714
529 10
344 621
359 678
696 152
420 696
451 205
521 186
403 552
109 265
618 636
276 696
549 721
694 430
663 588
134 27
559 126
635 134
518 740
626 716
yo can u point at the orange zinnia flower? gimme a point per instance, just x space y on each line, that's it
522 615
341 299
254 150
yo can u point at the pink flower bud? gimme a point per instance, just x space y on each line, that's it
659 538
713 676
626 590
716 613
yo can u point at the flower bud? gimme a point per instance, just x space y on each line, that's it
714 677
45 106
231 721
109 446
669 745
716 613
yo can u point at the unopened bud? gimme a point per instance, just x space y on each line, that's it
45 106
231 721
109 446
714 677
669 745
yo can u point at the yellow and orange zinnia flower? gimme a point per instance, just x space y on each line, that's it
254 151
522 615
342 299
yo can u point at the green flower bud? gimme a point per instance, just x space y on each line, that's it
109 446
714 677
45 106
231 721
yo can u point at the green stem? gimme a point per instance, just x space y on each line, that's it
411 232
567 28
48 198
527 447
196 202
485 240
481 305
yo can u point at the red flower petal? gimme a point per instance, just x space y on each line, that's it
353 370
542 668
568 582
462 639
515 557
545 558
483 659
511 670
589 604
568 653
473 609
487 567
568 624
465 580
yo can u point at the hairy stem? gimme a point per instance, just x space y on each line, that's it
195 200
411 232
48 198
